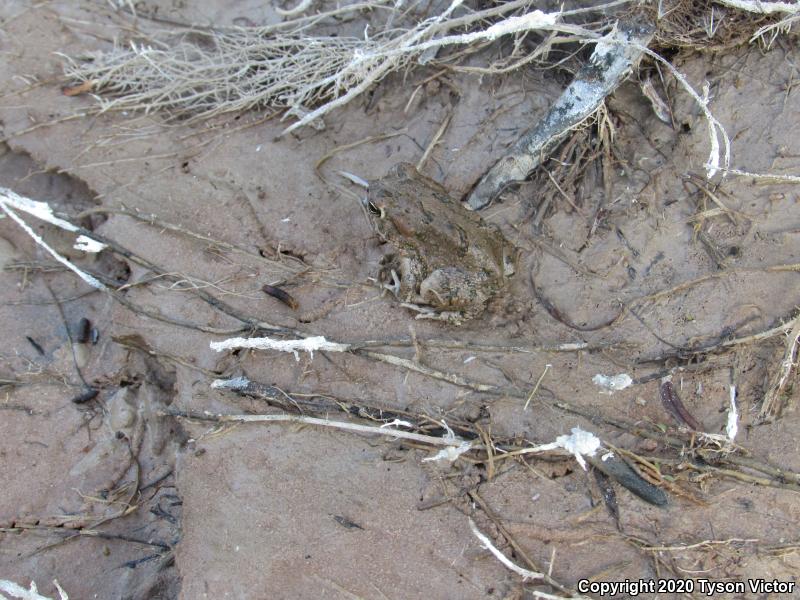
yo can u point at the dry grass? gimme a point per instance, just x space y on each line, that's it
198 74
707 25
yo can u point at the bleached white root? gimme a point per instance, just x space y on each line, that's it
456 448
385 430
41 210
612 383
716 162
765 176
580 443
309 344
732 425
506 562
32 593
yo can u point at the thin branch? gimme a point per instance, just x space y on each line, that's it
506 562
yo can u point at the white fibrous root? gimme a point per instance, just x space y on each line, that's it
309 344
32 593
10 201
612 383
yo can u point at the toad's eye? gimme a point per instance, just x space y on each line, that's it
375 210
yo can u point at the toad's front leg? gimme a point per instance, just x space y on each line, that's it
452 289
428 312
400 275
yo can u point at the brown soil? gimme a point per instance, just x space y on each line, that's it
275 511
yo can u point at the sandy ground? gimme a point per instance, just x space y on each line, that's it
116 500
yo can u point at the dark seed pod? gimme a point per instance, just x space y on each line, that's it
609 495
83 332
618 470
85 396
674 406
35 344
281 295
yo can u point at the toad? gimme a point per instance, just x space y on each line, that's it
445 262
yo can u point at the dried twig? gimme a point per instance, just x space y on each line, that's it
663 294
84 532
435 140
518 549
610 63
155 221
536 386
506 562
772 404
700 545
387 430
410 365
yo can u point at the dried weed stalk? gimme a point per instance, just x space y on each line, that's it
199 74
780 382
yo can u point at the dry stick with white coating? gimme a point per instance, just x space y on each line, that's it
610 63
